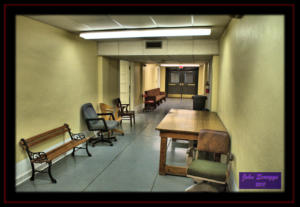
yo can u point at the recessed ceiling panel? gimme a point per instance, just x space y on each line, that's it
173 20
134 21
96 22
211 20
61 21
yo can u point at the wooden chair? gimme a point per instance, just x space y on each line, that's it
211 170
124 111
115 110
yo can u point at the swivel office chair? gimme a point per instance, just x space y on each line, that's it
99 124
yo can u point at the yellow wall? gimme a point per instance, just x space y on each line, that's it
251 92
125 80
150 77
109 80
214 83
137 84
56 72
201 79
163 79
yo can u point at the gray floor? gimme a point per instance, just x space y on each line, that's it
131 165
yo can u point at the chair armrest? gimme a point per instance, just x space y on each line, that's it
111 114
162 93
96 119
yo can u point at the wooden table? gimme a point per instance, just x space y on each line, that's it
185 125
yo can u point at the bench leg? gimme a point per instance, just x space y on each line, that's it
33 171
73 153
87 150
49 172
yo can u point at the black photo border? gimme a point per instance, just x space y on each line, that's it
12 197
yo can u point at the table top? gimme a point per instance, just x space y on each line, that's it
190 121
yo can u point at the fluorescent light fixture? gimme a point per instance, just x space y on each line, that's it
177 65
172 32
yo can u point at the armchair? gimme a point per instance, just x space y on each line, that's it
94 123
124 112
211 170
114 110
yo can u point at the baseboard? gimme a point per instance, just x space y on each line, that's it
23 168
189 96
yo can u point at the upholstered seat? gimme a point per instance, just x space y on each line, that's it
208 169
100 125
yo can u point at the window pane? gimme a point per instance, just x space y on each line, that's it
188 77
174 77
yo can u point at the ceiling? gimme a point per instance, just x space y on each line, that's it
174 59
83 23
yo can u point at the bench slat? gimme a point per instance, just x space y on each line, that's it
30 139
64 148
37 140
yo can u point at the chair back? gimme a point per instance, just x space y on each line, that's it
118 104
89 112
213 141
106 109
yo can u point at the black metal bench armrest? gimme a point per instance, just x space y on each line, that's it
39 157
78 136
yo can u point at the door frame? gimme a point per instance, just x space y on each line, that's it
168 69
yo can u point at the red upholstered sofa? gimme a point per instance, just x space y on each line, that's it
155 95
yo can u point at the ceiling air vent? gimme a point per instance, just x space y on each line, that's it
153 45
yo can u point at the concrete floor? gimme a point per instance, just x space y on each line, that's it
131 165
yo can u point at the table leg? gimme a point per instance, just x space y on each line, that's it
163 155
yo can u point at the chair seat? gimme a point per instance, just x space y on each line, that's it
111 124
128 113
208 169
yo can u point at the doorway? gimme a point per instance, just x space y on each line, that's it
181 82
125 82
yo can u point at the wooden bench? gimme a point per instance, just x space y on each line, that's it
155 95
48 157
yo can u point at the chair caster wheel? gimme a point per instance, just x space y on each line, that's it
111 145
123 134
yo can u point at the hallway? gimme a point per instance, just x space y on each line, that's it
57 67
130 165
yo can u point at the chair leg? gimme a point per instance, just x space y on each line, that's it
130 120
33 171
226 188
49 172
101 139
134 118
119 131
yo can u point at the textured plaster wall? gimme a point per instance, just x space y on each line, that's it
251 92
56 72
